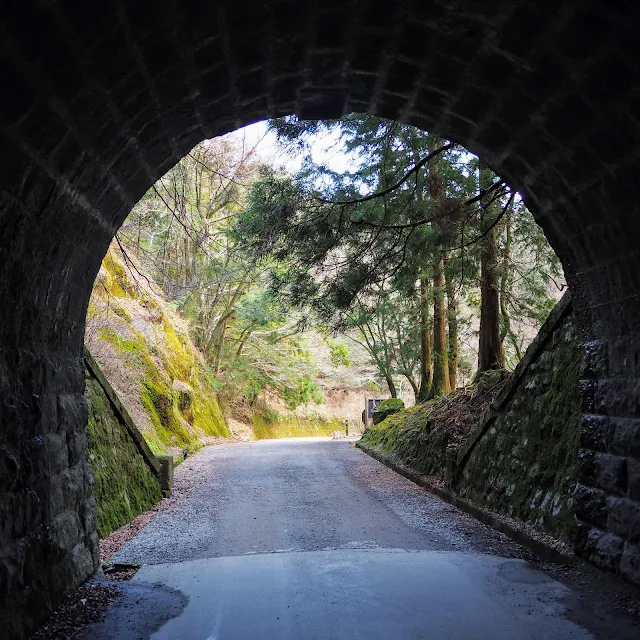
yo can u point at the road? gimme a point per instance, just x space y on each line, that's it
311 538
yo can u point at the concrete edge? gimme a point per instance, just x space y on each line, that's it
141 444
558 313
541 549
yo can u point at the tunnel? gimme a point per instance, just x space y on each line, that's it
99 101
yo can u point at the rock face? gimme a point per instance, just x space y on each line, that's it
125 481
523 458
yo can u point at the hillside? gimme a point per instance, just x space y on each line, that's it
144 349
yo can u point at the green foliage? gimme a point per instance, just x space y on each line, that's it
306 392
338 353
355 257
250 257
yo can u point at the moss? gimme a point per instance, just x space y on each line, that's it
123 485
527 465
387 408
268 424
120 311
179 360
172 357
407 435
208 417
158 448
159 405
118 284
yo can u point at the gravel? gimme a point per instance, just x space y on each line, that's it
189 474
88 604
272 496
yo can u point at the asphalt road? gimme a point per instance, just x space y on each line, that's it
301 539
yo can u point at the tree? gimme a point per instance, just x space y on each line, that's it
341 243
414 216
385 326
489 347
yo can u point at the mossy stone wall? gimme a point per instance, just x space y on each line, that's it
123 483
525 462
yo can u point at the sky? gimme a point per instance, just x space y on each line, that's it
324 149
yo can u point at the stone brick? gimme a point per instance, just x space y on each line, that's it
65 530
591 505
595 362
623 518
617 396
607 549
77 447
611 473
624 357
594 432
72 411
588 390
57 454
10 471
66 181
587 468
633 478
625 437
630 563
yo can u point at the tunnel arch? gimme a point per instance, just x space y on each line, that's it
97 105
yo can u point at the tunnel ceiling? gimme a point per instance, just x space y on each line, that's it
98 104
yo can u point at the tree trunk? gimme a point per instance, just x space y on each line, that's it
244 336
392 387
414 385
505 289
217 359
440 384
452 321
489 348
426 372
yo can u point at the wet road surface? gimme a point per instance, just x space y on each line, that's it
311 538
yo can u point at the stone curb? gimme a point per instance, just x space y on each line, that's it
543 550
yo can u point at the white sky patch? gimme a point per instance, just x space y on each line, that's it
325 149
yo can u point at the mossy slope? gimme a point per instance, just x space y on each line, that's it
419 436
123 484
145 351
266 424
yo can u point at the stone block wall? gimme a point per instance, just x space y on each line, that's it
48 540
608 493
523 458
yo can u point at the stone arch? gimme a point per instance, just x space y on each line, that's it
96 105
